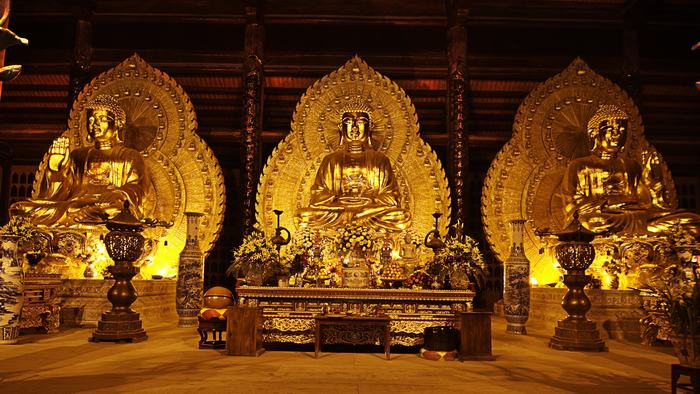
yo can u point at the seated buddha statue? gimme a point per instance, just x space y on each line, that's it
611 192
355 183
92 182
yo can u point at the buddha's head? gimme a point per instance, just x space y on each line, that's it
607 130
356 125
105 120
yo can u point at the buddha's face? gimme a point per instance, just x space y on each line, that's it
355 126
101 125
611 136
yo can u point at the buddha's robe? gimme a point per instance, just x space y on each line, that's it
617 195
95 182
355 188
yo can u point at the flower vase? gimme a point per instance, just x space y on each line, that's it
516 284
190 277
687 349
254 278
11 290
283 281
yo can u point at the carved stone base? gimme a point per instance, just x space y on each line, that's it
577 335
119 327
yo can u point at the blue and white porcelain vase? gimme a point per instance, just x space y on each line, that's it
11 289
190 275
516 283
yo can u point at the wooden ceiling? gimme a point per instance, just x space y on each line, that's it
512 46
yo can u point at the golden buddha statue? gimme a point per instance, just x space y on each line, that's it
92 182
611 192
355 183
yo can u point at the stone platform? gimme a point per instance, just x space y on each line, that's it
617 312
84 300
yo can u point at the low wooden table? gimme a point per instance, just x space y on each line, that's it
353 321
694 373
214 326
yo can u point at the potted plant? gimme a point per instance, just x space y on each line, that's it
674 313
256 258
458 264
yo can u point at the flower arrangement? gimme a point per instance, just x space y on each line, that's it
257 255
295 256
355 237
460 255
19 226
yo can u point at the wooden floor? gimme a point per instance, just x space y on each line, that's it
169 362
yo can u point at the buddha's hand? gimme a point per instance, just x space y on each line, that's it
354 201
113 199
59 153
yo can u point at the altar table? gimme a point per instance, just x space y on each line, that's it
289 312
353 322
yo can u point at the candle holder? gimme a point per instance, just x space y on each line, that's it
278 239
432 239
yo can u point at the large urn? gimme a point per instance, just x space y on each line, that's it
11 289
124 244
575 254
190 276
516 284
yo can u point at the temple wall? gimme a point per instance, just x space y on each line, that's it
84 300
617 312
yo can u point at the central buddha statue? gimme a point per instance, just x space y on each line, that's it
91 182
355 183
610 192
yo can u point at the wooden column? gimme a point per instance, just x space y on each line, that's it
5 174
82 51
252 115
630 49
456 110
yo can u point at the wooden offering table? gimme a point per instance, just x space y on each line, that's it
358 334
289 313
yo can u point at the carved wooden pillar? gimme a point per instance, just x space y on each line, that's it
630 48
252 115
82 51
456 110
